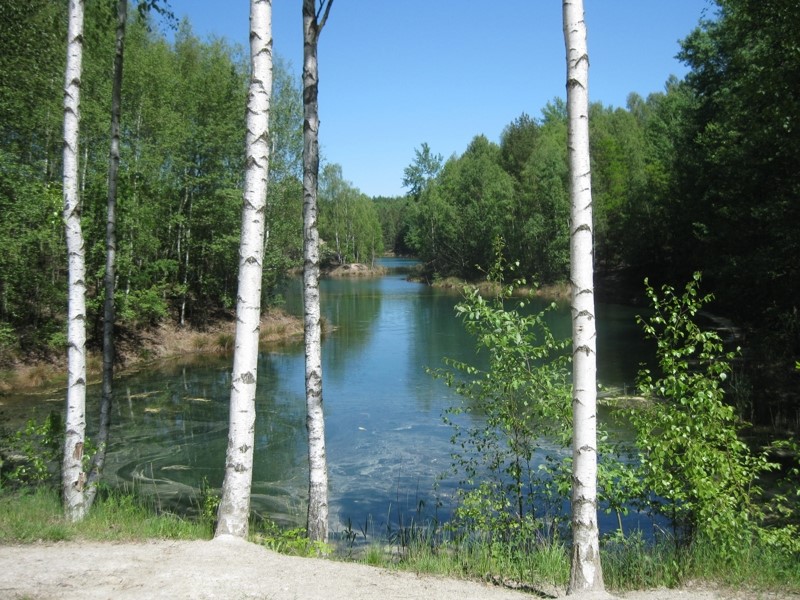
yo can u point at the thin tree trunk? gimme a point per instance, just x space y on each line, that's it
185 288
317 523
47 133
234 508
85 170
73 475
99 459
586 571
133 202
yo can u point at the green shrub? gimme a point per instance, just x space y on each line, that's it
8 339
521 408
209 500
32 454
293 541
143 307
694 468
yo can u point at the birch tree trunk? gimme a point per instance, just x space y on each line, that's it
73 475
586 571
98 460
317 524
234 509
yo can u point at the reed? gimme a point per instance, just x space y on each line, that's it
541 565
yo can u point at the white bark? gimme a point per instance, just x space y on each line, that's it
317 523
234 507
586 571
73 475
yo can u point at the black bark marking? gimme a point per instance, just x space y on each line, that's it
583 227
573 83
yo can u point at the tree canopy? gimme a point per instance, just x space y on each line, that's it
703 175
181 166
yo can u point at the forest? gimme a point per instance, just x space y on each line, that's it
701 176
697 182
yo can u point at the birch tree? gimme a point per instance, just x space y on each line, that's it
586 571
98 460
73 474
317 523
234 509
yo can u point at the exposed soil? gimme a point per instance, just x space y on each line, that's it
233 569
168 339
354 270
556 292
137 349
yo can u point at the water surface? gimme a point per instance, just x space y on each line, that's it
386 440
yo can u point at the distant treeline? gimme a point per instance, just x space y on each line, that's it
704 175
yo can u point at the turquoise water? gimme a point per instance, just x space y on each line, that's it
386 440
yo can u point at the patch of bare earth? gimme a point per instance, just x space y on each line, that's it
136 349
232 569
355 270
170 340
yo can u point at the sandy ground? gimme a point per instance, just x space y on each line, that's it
233 569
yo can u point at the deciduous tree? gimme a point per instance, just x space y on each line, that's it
109 279
317 524
419 174
234 508
586 571
73 474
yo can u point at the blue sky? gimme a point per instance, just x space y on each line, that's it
397 73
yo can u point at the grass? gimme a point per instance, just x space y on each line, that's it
634 564
629 563
543 569
541 566
36 515
31 377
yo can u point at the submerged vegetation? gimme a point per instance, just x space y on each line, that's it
499 534
701 175
688 463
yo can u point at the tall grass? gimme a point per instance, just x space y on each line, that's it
542 566
635 564
36 515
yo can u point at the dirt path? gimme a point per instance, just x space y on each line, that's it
233 569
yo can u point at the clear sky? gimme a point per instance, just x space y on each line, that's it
397 73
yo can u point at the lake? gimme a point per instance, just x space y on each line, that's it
386 441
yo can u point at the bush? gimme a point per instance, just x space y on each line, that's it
521 407
143 307
8 341
32 454
694 468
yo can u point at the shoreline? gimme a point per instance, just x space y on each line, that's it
165 341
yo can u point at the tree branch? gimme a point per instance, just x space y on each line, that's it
326 4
